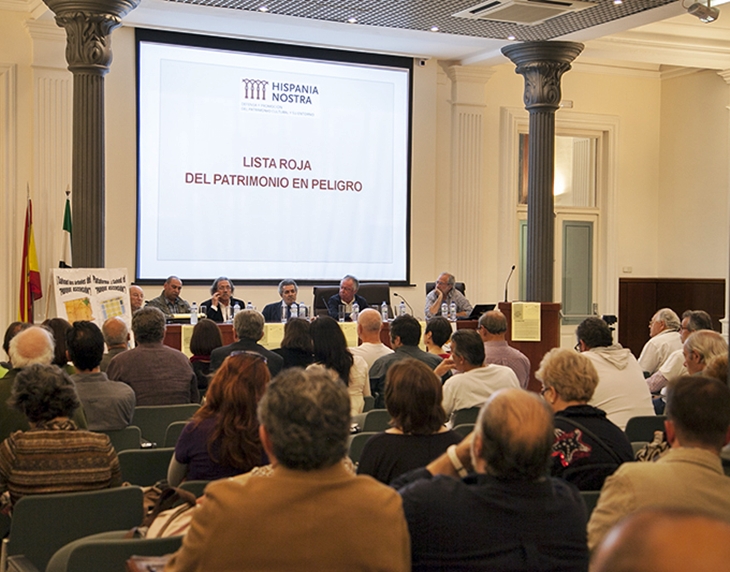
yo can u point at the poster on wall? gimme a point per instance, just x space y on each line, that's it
92 294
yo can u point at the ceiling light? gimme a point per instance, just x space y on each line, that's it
352 20
434 28
511 37
705 14
263 9
618 2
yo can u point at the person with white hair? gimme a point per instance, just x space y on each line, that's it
664 331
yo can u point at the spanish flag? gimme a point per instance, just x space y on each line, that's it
30 276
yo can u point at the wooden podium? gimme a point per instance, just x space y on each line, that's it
549 337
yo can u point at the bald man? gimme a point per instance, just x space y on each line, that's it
665 540
136 297
493 331
507 514
116 338
369 323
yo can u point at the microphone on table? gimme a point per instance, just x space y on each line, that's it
506 284
406 301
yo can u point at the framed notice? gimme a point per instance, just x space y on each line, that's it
526 321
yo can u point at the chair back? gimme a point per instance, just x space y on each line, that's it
144 467
376 420
369 403
153 420
99 552
173 432
591 500
375 293
195 487
321 295
123 439
642 428
42 524
460 286
462 416
356 444
464 429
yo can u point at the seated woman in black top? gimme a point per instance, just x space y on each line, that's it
296 347
206 337
413 399
588 447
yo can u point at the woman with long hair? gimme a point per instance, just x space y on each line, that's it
59 328
418 435
206 337
330 350
222 439
296 347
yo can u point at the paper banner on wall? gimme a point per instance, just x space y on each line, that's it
526 321
92 294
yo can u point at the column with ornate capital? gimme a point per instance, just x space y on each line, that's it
88 25
542 64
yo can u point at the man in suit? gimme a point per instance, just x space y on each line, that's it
288 291
689 475
349 286
248 326
220 307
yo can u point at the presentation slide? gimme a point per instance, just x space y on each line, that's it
262 167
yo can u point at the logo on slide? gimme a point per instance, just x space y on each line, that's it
254 88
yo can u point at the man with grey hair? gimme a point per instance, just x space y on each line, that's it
489 504
33 345
493 329
444 292
700 348
159 375
169 301
288 290
369 324
116 338
665 339
248 329
346 295
311 513
220 307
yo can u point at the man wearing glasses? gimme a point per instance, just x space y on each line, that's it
349 286
444 292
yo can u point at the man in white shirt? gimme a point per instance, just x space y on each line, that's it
664 332
621 392
475 382
369 323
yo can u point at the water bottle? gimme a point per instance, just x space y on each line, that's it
384 311
193 314
402 308
295 310
355 311
249 306
303 311
283 312
444 310
452 311
236 310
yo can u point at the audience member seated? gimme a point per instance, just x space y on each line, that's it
59 328
474 382
136 297
158 374
248 329
665 540
13 330
330 350
621 392
108 405
220 307
369 324
169 301
32 345
689 475
418 435
296 347
438 333
493 329
665 339
288 291
311 513
405 333
349 286
116 338
717 368
222 439
507 514
206 338
53 456
700 348
587 447
445 292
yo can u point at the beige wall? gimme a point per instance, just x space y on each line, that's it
660 187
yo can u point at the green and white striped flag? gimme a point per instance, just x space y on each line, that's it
67 260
